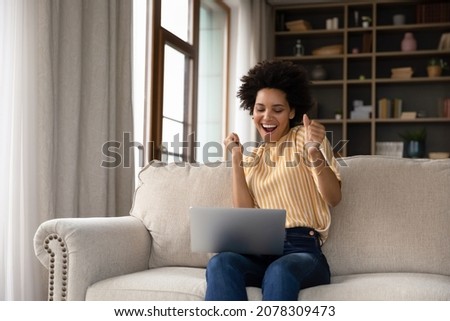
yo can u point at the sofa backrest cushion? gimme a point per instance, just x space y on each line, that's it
162 201
394 217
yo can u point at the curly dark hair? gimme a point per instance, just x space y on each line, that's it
286 76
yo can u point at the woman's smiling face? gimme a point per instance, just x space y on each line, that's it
271 114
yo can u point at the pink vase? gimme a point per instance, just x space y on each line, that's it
408 42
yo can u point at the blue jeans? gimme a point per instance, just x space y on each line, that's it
280 278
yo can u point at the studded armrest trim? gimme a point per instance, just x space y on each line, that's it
58 267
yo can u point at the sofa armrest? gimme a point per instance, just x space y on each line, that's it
81 251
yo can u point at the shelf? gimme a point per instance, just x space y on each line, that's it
310 57
359 81
416 26
386 54
359 121
442 79
408 54
417 120
385 120
316 32
330 121
359 56
414 80
444 26
360 30
328 82
379 48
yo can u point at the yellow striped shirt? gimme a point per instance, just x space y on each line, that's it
278 176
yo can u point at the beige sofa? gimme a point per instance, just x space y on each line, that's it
389 240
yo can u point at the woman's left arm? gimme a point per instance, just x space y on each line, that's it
328 184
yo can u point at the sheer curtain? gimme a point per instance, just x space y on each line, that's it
18 170
250 40
65 91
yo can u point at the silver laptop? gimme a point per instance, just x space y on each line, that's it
240 230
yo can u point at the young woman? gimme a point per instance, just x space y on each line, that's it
294 169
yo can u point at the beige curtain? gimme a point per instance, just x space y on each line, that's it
85 97
65 91
261 31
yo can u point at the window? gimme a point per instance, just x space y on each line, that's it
185 116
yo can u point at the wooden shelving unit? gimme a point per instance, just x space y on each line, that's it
366 75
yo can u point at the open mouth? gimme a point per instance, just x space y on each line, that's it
268 128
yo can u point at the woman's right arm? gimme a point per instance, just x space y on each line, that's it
241 194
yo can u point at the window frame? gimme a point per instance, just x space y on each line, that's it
157 38
154 119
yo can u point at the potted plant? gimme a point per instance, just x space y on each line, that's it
414 143
435 67
338 114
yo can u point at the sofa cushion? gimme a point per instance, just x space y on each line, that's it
186 284
381 287
162 201
158 284
394 217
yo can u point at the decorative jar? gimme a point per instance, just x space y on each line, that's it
409 43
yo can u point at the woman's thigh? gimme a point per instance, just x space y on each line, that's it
250 267
306 269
